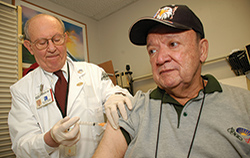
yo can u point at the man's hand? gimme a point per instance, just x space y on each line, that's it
62 133
116 101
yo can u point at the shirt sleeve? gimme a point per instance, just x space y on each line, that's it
132 124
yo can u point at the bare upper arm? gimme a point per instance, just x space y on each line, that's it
113 144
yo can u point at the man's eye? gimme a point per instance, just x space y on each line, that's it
56 40
42 42
173 44
152 51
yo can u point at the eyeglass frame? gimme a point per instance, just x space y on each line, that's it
47 41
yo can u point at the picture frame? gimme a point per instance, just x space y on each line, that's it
77 44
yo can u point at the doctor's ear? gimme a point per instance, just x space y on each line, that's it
203 49
27 44
66 36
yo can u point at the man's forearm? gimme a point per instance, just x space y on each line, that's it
113 144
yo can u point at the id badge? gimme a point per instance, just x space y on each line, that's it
44 98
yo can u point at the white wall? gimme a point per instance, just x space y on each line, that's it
226 24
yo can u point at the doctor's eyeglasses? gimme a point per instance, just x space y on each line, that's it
42 43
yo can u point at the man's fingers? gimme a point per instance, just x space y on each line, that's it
72 136
112 105
72 141
122 109
114 114
110 118
73 132
128 103
70 122
65 119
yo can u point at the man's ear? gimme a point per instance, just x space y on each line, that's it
203 49
27 44
66 37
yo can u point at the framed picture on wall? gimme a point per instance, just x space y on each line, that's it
77 43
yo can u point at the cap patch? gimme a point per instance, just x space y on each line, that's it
166 13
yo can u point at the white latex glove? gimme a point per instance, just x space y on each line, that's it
116 101
62 133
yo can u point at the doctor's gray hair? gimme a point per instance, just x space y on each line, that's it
26 26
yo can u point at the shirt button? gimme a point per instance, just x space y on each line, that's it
185 114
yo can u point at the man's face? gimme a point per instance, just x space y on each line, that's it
53 57
175 57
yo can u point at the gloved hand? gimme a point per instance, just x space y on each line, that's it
114 101
62 133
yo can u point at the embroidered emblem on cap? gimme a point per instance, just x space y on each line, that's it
166 13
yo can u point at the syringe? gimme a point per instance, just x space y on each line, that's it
92 123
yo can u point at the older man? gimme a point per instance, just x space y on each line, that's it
49 102
187 115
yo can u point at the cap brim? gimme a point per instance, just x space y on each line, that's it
139 30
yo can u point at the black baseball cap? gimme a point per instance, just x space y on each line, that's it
179 17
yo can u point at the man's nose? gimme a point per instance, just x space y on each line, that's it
163 56
51 45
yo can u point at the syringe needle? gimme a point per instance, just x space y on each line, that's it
91 123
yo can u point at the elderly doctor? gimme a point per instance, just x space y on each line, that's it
39 126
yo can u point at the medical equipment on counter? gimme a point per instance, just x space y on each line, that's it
125 79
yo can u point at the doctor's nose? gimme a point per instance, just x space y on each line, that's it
51 46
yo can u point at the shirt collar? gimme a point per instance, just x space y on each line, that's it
211 87
53 78
64 70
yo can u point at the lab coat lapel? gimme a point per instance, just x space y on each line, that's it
40 84
75 87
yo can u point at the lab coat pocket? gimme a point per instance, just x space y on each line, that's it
98 130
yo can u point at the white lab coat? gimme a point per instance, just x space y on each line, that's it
88 90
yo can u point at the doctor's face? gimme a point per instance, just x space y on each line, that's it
175 57
47 42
